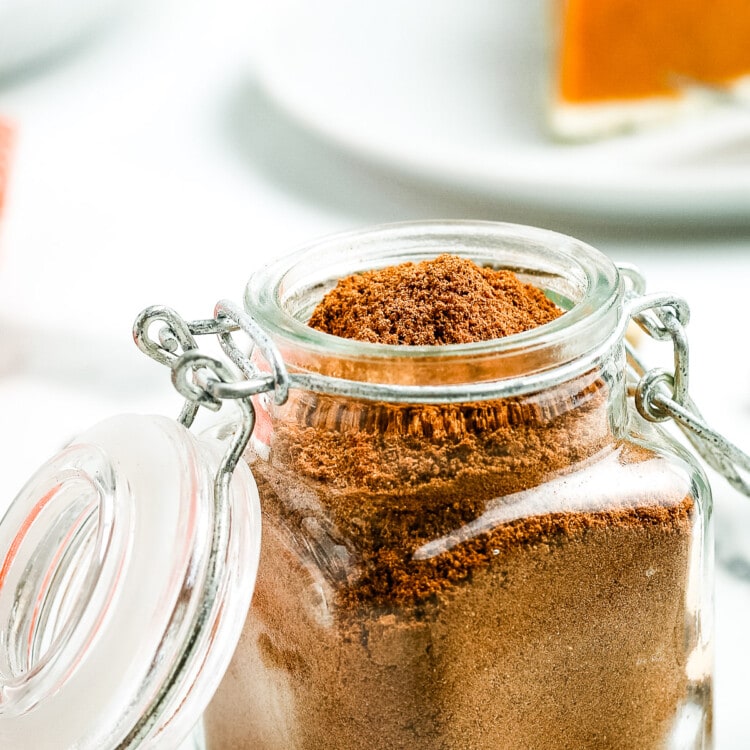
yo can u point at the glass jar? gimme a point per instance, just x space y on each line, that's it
468 546
474 546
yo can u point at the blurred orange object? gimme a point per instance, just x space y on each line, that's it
7 133
625 62
620 49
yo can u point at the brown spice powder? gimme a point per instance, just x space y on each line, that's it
392 611
399 477
448 300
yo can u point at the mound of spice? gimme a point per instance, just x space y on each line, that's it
497 575
448 300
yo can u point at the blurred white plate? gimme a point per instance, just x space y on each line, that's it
31 30
455 93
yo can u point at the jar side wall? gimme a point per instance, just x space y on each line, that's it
693 726
573 614
425 473
536 630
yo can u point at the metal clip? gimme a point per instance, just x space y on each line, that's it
661 395
203 380
279 380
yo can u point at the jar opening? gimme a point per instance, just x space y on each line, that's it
574 275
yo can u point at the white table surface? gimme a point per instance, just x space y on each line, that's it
151 168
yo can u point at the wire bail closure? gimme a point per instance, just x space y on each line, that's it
659 395
203 381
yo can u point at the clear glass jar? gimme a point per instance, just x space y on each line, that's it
497 552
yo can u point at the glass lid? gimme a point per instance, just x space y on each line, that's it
124 585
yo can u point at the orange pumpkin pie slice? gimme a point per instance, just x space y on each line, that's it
626 63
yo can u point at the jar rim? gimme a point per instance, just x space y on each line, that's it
273 293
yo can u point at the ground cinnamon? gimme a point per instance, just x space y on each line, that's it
448 300
502 575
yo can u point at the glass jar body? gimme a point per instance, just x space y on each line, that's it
472 602
526 571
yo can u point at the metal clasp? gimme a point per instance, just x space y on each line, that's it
206 381
660 395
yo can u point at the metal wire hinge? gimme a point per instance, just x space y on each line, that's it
661 395
204 380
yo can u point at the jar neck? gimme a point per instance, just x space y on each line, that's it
512 443
583 282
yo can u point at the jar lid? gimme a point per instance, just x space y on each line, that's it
123 588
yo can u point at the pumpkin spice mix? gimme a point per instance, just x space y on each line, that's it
498 574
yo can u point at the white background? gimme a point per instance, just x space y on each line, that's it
153 167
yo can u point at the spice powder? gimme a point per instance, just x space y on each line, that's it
491 575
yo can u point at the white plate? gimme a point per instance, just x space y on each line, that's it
455 93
